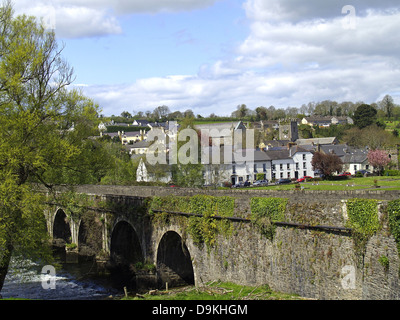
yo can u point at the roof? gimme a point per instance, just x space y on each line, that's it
357 157
278 154
339 149
141 123
346 153
318 119
260 155
131 134
139 144
329 140
221 125
276 143
296 148
111 134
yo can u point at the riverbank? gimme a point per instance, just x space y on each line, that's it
215 290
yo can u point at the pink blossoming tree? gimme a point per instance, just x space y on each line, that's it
379 159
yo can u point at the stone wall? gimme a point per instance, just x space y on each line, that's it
312 263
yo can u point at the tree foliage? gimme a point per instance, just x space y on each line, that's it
188 174
379 159
45 133
327 164
364 116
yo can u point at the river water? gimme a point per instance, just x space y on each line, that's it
70 282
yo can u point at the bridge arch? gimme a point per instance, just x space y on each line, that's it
174 263
90 235
125 253
61 227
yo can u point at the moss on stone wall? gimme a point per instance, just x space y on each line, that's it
266 211
393 210
203 228
364 220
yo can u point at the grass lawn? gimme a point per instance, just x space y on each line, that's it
217 290
385 183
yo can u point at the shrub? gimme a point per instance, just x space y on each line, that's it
391 173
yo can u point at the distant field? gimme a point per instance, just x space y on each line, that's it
386 183
391 125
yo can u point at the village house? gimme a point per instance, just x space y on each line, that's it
352 158
148 173
291 162
138 147
326 121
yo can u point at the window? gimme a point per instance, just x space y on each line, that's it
281 166
288 166
264 167
281 175
288 174
273 167
297 166
304 157
304 165
234 169
255 168
355 167
304 173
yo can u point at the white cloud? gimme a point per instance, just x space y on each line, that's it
286 61
296 52
88 18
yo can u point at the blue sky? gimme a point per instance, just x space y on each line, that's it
159 45
212 55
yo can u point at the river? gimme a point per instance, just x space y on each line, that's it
72 282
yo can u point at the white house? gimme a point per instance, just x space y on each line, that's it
291 163
148 173
352 158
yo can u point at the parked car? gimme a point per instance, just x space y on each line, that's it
260 183
303 179
238 185
283 181
241 184
364 172
343 174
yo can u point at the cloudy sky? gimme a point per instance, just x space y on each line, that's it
212 55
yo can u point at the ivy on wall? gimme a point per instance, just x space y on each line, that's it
265 211
74 204
363 219
202 229
393 210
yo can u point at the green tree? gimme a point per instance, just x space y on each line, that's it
261 113
191 173
387 104
240 112
327 164
45 132
126 114
364 116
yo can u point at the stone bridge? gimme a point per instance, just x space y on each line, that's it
314 255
